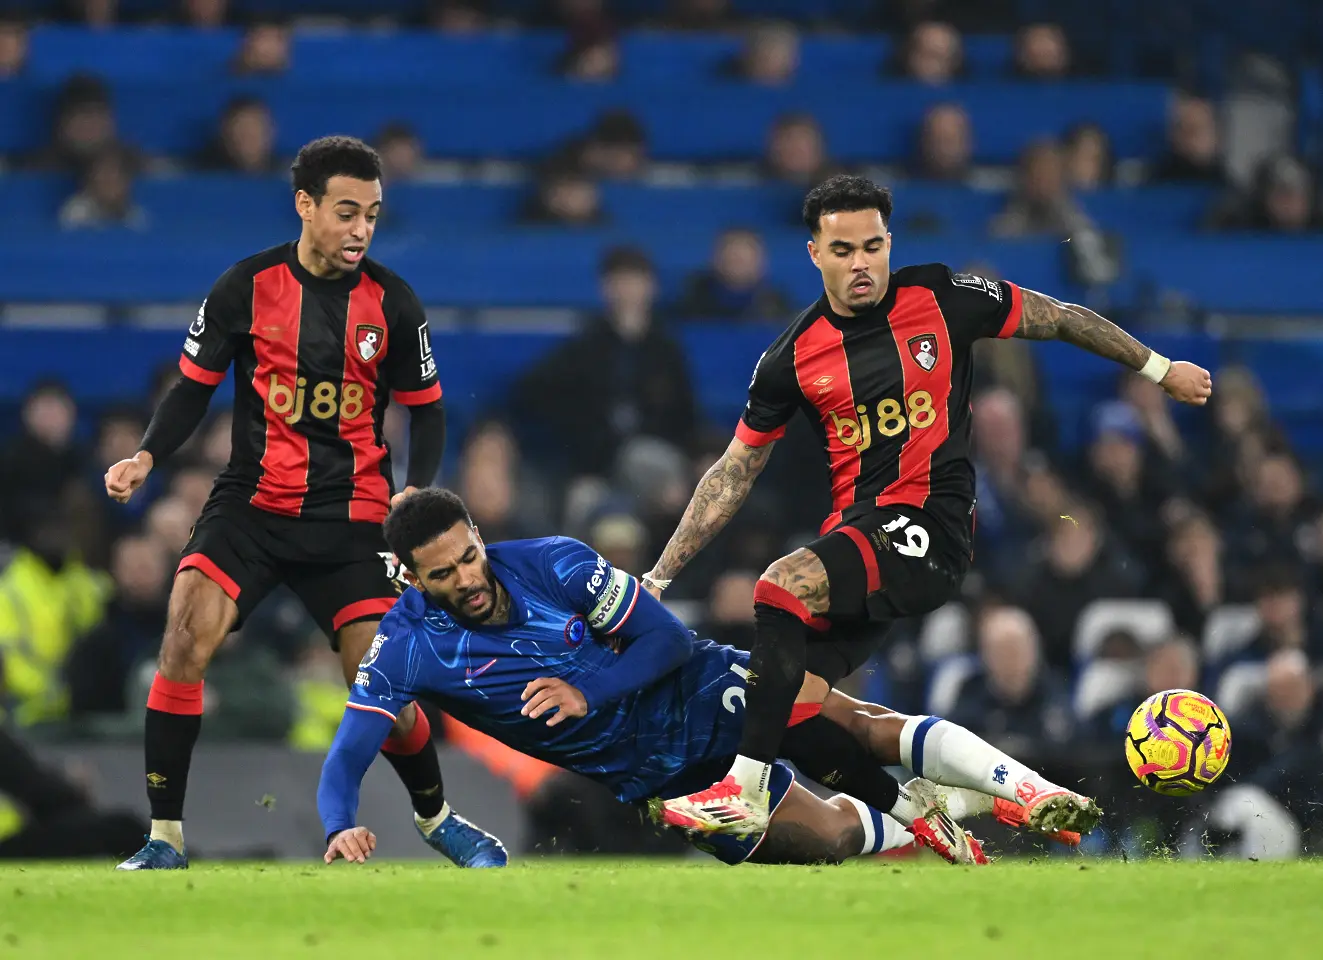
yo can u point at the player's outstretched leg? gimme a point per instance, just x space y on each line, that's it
948 754
789 595
201 613
412 754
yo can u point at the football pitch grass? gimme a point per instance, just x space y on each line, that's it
570 909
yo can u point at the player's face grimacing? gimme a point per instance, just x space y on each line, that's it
340 227
853 251
453 571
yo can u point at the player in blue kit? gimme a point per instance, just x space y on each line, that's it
547 648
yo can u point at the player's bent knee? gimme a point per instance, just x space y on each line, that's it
846 828
797 582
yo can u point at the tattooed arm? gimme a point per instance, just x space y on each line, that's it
719 495
1046 318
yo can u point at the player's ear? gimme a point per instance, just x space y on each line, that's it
411 578
304 205
813 254
477 535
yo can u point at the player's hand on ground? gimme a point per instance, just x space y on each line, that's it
125 477
402 494
548 693
1188 383
355 845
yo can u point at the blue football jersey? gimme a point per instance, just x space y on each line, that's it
570 612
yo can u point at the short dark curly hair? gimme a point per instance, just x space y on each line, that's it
328 157
420 518
845 194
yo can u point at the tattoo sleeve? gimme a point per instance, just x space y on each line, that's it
1045 318
719 496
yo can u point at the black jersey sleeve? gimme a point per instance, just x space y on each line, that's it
410 367
976 307
224 317
773 397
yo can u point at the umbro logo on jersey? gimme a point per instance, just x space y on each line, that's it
923 349
823 384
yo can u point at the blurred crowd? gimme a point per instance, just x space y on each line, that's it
1043 189
1157 559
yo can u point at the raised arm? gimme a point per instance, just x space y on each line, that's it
1046 318
719 496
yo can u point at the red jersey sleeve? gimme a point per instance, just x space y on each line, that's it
773 398
976 307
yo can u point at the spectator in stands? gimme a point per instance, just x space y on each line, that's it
933 53
265 49
207 14
1154 410
170 521
735 286
706 15
1194 582
1193 148
1041 202
616 148
566 196
13 46
1239 418
1286 622
623 377
84 127
946 145
213 441
43 456
502 494
592 51
105 196
1005 527
1042 52
98 669
48 599
458 16
245 140
1129 485
97 14
1276 510
622 540
1088 157
1276 744
770 56
191 486
1014 700
119 432
796 150
729 616
1282 200
401 152
1076 565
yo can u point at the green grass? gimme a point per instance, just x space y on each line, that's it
566 910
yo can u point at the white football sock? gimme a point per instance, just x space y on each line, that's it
431 823
752 776
907 807
944 753
171 831
961 803
881 830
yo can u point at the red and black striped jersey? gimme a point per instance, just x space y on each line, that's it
316 362
888 391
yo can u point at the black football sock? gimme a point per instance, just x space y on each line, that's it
416 763
174 718
828 753
776 672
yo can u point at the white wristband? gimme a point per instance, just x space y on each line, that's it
659 584
1156 367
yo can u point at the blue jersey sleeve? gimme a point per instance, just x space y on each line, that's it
652 641
382 688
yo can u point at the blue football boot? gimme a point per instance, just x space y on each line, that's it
157 855
465 844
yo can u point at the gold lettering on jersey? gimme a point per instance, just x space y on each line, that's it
891 418
327 400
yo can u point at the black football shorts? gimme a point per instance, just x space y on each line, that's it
341 570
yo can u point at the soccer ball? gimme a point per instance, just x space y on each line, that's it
1178 742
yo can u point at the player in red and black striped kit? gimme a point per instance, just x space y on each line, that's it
881 366
321 340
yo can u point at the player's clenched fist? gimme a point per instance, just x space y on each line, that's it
1188 383
548 693
125 477
355 845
